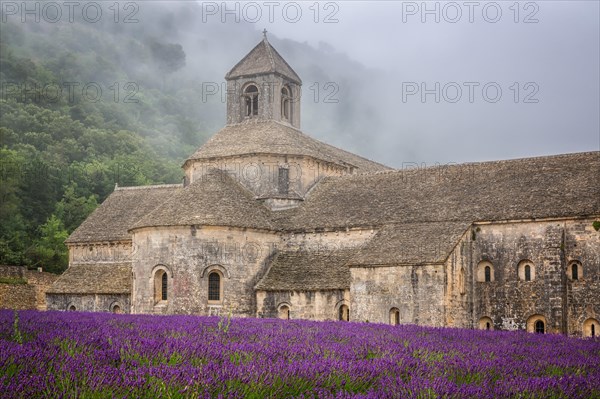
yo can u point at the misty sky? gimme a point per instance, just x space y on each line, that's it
546 65
398 81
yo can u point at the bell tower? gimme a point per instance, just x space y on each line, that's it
261 87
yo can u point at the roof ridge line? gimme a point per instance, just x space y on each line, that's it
463 164
269 53
153 186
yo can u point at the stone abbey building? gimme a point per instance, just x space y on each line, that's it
270 222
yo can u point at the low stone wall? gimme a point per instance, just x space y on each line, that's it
24 289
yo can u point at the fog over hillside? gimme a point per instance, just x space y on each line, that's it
365 71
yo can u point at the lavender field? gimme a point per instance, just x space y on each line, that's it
96 355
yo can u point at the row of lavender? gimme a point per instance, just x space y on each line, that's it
94 355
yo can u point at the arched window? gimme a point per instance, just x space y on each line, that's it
116 309
161 285
485 323
72 308
575 271
526 270
539 327
284 312
536 324
591 328
251 100
214 287
485 272
344 313
394 316
285 104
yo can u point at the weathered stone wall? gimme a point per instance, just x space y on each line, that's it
98 252
12 272
188 254
89 302
24 296
416 291
17 296
313 305
459 288
548 247
582 296
41 282
260 173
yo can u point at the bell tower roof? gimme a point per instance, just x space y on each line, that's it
263 59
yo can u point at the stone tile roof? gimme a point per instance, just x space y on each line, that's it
214 200
420 215
111 220
271 137
531 188
306 270
262 59
100 278
411 243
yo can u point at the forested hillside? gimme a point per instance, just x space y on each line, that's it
74 122
85 106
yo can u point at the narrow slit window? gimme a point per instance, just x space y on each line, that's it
161 286
539 327
283 183
488 274
344 313
528 273
164 286
285 103
394 316
214 287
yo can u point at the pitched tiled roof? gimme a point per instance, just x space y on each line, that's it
420 214
214 200
126 205
271 137
411 243
306 270
101 278
531 188
260 60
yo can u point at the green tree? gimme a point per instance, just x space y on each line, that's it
50 251
73 209
13 236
